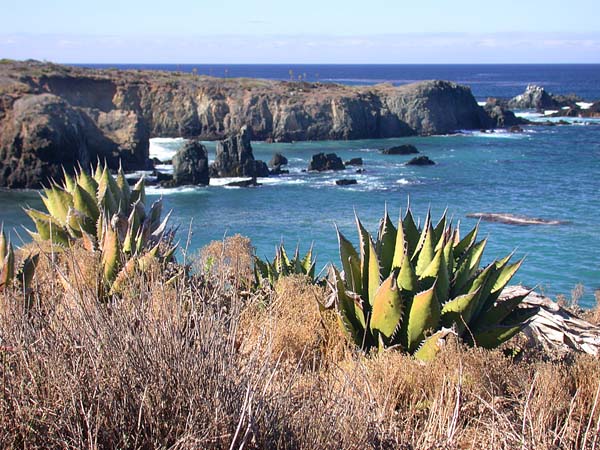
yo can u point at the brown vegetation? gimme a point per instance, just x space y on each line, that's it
195 364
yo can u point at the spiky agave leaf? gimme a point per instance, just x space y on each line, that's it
349 308
86 203
386 243
87 183
350 263
432 345
47 228
57 202
110 254
424 315
494 336
387 308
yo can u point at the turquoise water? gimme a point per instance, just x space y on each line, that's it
547 172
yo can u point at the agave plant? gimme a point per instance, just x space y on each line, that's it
108 217
283 266
413 286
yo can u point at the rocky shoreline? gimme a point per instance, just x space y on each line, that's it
53 115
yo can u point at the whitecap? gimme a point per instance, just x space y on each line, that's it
164 149
584 105
157 190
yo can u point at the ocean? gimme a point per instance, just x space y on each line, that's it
546 172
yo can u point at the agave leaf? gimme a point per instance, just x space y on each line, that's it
88 241
386 243
427 250
407 278
76 221
308 265
69 182
153 221
350 263
448 256
466 243
3 243
148 258
400 249
350 312
424 315
498 312
374 277
57 203
120 282
27 270
98 171
364 249
431 346
159 231
110 254
88 184
494 336
84 202
106 197
438 231
411 232
437 272
504 276
124 191
387 308
48 228
423 236
467 266
138 193
459 310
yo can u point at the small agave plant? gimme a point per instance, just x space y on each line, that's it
412 286
283 266
108 217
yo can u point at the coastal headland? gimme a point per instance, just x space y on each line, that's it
54 115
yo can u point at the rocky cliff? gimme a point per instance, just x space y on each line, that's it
52 114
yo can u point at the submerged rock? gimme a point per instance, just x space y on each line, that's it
190 165
346 182
354 162
420 161
513 219
404 149
321 162
234 158
244 183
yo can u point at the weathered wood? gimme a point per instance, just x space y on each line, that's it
555 328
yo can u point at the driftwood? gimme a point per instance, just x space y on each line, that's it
555 328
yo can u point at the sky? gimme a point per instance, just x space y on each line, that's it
303 31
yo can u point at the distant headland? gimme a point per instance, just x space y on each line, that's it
55 115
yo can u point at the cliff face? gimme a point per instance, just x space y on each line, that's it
52 115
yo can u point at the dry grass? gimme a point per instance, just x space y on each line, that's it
194 364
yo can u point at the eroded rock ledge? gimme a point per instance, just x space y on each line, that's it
52 114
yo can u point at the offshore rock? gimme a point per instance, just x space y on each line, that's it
354 162
534 97
234 158
420 161
500 116
346 182
404 149
190 165
321 162
113 113
277 161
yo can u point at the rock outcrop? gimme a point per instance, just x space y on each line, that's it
354 162
500 116
113 113
190 165
321 162
234 158
534 97
404 149
420 161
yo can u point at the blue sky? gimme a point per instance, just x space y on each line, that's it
304 31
